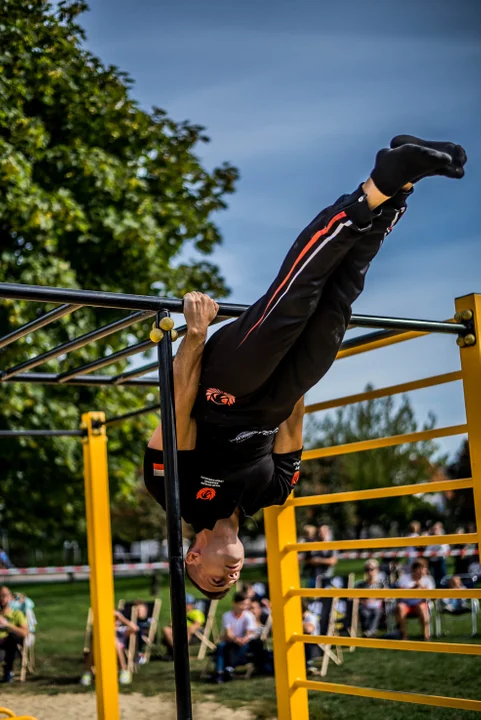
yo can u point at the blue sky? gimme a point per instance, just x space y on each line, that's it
300 95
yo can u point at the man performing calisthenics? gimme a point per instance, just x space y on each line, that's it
239 396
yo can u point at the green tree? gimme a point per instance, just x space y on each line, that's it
461 502
400 465
94 193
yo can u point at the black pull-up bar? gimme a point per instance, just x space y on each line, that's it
174 528
41 433
123 301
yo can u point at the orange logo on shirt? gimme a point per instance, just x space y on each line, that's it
219 397
295 478
206 494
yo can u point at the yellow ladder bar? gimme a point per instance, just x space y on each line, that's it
471 367
99 540
289 658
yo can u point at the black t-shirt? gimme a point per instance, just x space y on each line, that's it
229 468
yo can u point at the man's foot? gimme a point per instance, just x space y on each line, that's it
7 678
125 677
228 674
455 169
217 678
166 658
86 679
395 168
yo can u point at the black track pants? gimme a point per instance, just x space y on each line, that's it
257 368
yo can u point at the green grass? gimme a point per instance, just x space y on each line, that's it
62 610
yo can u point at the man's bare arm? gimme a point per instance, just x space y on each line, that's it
199 311
289 437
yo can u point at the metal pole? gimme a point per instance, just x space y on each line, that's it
124 301
96 298
38 323
174 528
133 413
103 362
99 540
41 433
76 344
88 380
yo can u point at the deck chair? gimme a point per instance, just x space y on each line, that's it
469 580
27 648
339 617
148 629
210 629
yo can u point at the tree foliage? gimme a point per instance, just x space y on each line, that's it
399 465
461 502
95 193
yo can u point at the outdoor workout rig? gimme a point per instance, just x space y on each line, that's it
292 685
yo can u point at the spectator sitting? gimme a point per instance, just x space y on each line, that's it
239 628
320 563
143 622
13 629
455 606
195 620
261 614
371 609
437 564
310 626
417 578
124 628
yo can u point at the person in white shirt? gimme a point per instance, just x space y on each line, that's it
239 628
310 626
414 607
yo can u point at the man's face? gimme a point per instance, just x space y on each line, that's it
217 566
417 573
239 607
324 533
5 598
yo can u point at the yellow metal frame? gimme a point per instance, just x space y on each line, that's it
99 541
11 714
283 548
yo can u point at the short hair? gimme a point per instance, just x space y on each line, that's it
218 595
240 597
418 564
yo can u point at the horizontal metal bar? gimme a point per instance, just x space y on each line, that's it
76 344
97 298
89 381
38 323
138 372
368 543
40 433
103 362
376 493
376 443
395 695
403 324
384 392
133 413
124 301
385 593
406 645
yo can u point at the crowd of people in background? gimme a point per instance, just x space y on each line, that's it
409 570
245 628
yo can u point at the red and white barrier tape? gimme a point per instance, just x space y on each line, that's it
126 567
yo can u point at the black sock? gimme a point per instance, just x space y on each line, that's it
395 168
455 169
